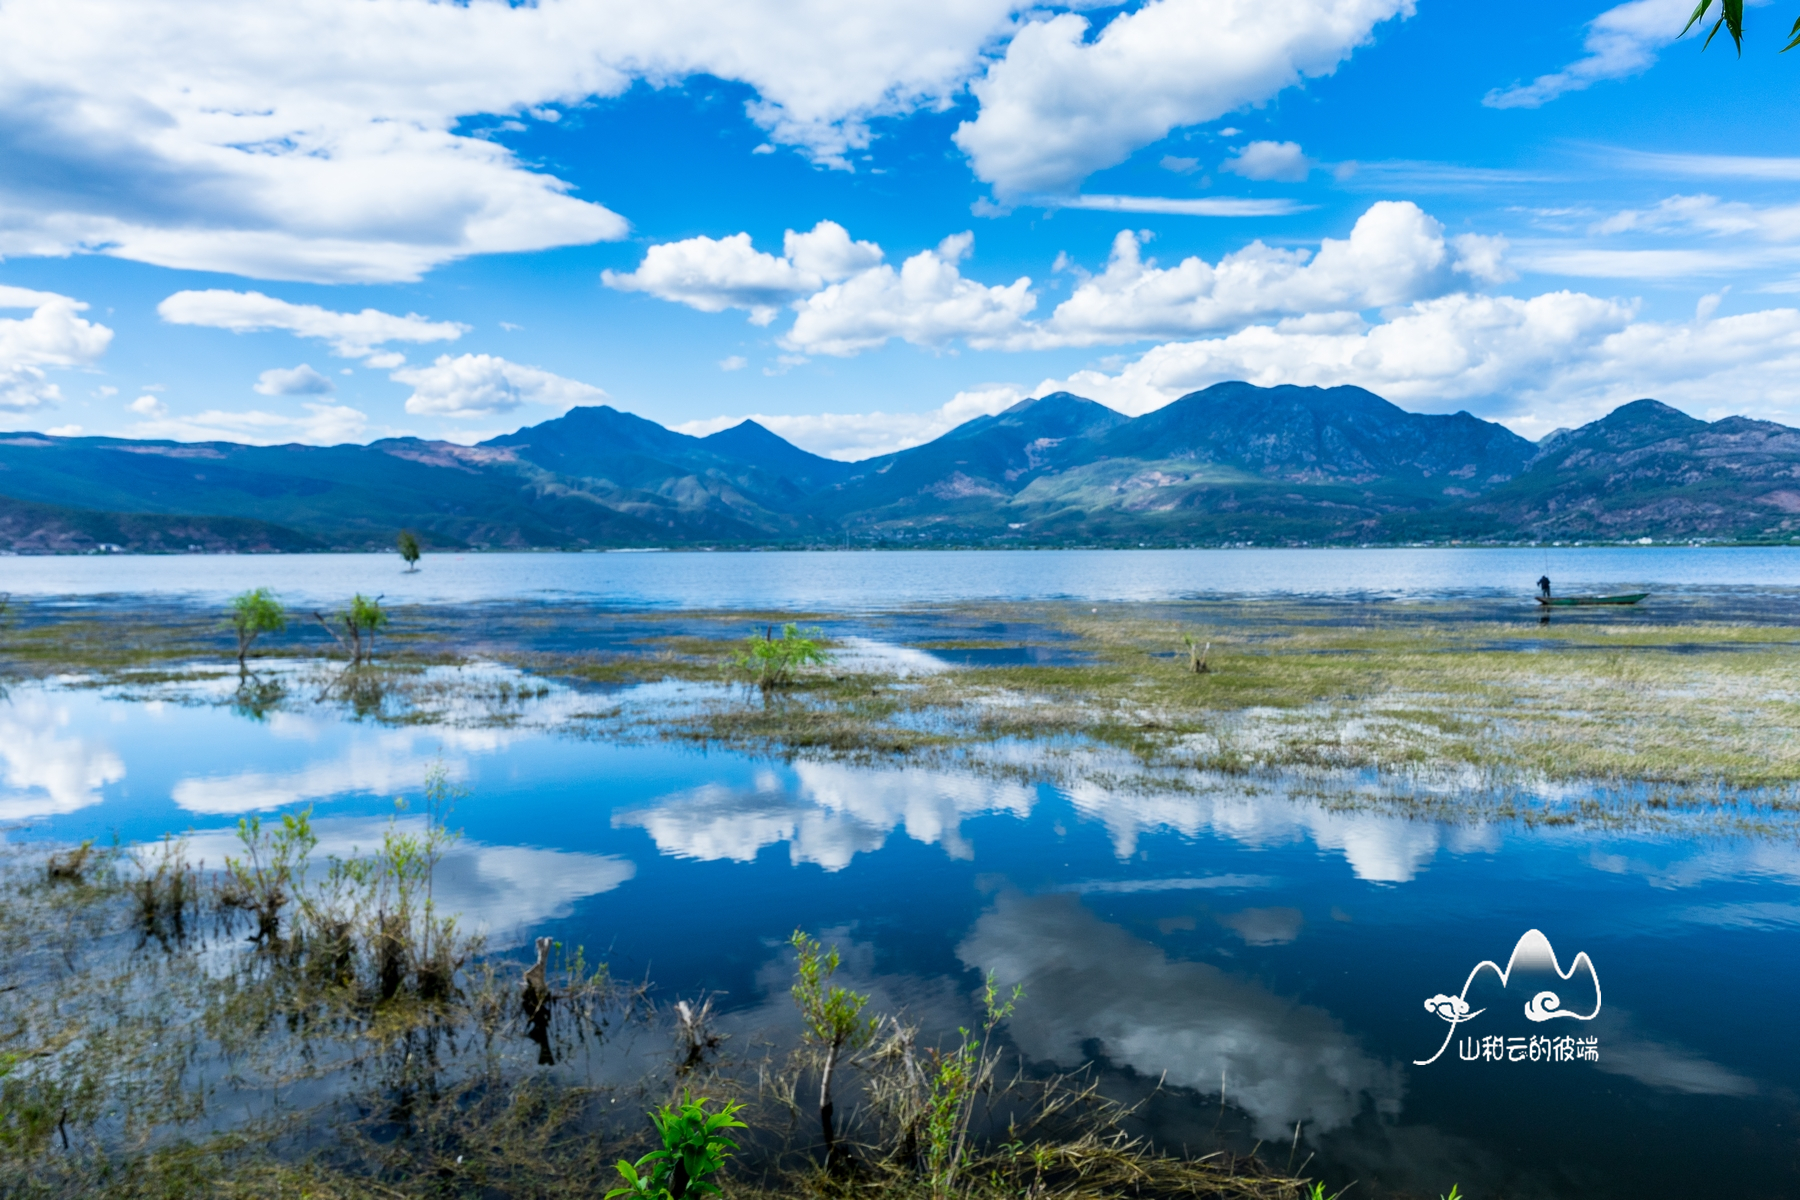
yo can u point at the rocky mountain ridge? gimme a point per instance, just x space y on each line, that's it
1230 464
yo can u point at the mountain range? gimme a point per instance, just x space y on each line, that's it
1230 464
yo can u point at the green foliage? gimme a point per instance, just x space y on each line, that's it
958 1076
254 613
408 545
272 868
1455 1194
832 1015
362 618
772 661
1731 17
693 1147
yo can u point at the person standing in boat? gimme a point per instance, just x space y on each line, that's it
1544 586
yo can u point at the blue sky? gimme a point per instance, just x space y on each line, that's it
864 224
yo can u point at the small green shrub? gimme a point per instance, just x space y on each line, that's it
254 613
773 662
362 618
959 1076
833 1017
693 1147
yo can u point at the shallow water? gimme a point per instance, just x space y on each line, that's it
882 580
1233 938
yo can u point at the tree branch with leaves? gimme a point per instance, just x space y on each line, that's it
1731 19
833 1019
254 613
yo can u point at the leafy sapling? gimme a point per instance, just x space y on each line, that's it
772 662
363 617
408 545
833 1019
254 613
693 1147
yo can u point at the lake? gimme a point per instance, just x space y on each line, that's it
860 581
1268 955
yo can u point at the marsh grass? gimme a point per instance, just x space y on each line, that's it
1663 716
161 1036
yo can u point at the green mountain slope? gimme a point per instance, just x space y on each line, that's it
1647 470
1232 463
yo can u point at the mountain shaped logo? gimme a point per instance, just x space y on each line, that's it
1550 993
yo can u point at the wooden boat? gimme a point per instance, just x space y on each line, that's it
1582 601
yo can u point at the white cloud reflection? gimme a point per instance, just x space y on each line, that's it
1379 847
48 770
383 766
1090 981
830 815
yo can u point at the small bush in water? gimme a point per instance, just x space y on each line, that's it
773 661
694 1147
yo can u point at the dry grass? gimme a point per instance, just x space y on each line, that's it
148 1049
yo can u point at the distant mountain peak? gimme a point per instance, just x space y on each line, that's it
1064 400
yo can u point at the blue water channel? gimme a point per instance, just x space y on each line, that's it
1268 958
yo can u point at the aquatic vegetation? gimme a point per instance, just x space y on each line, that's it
773 662
407 542
833 1017
254 613
361 619
1196 653
956 1078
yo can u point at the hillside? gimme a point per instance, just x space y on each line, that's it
1232 463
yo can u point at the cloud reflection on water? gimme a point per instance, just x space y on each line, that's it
830 814
48 771
385 765
1379 847
1092 982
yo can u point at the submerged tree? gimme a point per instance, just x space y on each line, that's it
833 1018
362 618
408 544
254 613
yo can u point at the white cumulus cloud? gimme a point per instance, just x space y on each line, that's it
713 274
927 302
54 335
850 437
339 140
1060 105
1560 358
293 381
1282 161
1621 41
352 335
1395 254
475 385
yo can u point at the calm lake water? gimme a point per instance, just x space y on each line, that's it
1233 940
864 580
